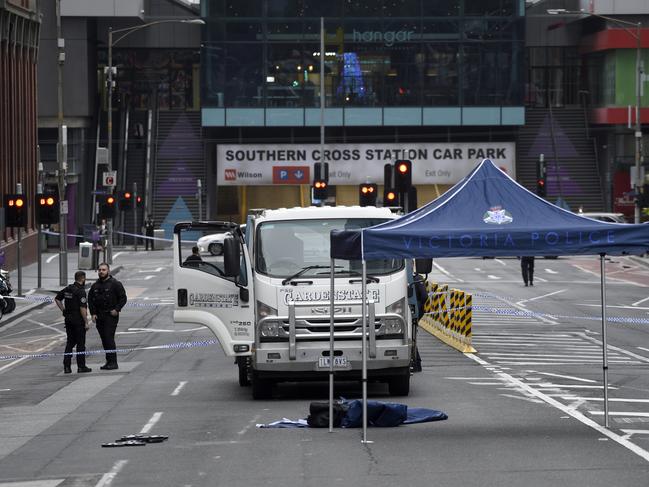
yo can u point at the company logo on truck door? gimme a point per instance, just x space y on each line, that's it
340 295
211 300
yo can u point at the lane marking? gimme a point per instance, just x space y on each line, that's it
154 419
542 296
152 270
540 279
445 272
644 454
565 376
108 478
252 422
31 291
641 301
179 388
644 349
50 259
548 385
630 433
611 306
620 413
118 254
493 277
501 262
550 271
610 399
59 332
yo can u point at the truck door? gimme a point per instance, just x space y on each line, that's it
204 294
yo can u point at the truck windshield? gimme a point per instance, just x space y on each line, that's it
286 247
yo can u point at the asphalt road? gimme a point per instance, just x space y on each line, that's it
525 410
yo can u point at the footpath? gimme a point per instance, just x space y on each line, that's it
34 296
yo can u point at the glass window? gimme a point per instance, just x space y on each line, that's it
244 77
402 8
243 31
320 8
440 8
441 87
285 8
247 8
287 247
363 8
500 8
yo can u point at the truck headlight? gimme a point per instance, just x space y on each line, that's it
394 326
269 329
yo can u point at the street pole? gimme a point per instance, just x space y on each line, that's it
19 256
135 233
199 195
39 226
322 100
638 124
63 244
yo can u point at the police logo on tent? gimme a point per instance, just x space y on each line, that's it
497 216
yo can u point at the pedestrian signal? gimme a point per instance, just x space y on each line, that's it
540 187
15 210
139 202
47 209
367 193
403 176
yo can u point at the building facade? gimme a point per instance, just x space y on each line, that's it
441 83
19 40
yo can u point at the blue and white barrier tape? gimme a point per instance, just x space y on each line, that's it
169 346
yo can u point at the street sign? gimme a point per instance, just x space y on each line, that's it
110 178
64 207
102 155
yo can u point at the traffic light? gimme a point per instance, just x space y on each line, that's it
320 190
402 176
107 207
367 193
321 180
139 202
47 209
540 187
125 200
390 197
15 210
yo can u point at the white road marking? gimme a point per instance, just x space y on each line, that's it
17 361
445 272
630 433
542 296
493 277
477 269
108 478
118 254
620 413
48 327
610 399
153 270
565 376
31 291
550 271
51 258
179 388
644 349
529 399
33 483
546 385
252 422
611 306
501 262
644 454
154 419
638 302
540 279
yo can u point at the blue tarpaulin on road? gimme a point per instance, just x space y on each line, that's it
489 214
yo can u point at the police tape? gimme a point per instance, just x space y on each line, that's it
49 300
76 235
168 346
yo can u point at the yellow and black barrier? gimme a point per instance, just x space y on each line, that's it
448 315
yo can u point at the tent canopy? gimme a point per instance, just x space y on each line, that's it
489 214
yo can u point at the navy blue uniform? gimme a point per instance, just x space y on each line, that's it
74 298
527 268
107 295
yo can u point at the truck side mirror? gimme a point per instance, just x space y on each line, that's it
231 257
423 266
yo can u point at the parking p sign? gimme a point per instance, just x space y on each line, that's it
110 178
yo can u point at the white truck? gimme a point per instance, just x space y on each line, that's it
266 299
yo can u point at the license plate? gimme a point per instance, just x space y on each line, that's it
340 361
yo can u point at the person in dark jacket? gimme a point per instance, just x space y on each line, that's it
105 300
72 301
527 267
193 259
149 227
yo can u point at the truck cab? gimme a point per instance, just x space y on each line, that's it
267 298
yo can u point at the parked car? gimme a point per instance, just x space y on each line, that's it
213 243
605 217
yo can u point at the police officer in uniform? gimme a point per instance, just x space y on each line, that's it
527 268
149 226
71 300
105 300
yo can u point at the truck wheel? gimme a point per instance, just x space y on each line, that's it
261 389
399 385
11 305
242 362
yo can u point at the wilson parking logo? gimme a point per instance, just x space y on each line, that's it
230 174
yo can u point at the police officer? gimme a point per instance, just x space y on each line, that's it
527 268
105 300
71 300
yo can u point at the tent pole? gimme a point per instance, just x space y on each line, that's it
364 348
331 349
604 345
